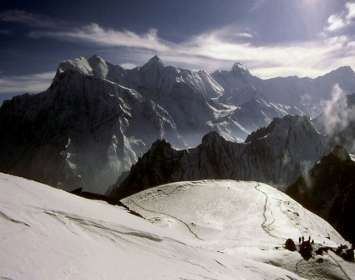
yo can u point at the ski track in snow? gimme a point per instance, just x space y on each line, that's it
266 227
86 223
167 215
297 264
8 218
341 268
309 274
265 224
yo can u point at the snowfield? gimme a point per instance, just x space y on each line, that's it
192 230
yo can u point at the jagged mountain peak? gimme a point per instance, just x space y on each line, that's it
282 126
212 137
290 120
344 69
154 62
99 66
96 60
240 68
160 145
96 57
95 66
340 153
83 65
80 64
340 74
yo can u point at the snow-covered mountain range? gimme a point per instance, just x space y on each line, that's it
300 94
277 155
188 230
97 119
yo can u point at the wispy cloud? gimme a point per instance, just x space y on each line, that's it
303 58
309 58
335 22
244 35
32 83
343 19
94 33
32 20
128 65
257 5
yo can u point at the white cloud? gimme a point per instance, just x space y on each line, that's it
128 65
337 114
335 22
305 59
93 33
350 6
341 20
32 83
244 35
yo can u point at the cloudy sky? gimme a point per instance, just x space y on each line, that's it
271 37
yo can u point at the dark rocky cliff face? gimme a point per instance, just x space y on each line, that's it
328 190
77 133
276 155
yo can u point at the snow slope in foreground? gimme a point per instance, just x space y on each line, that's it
209 230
